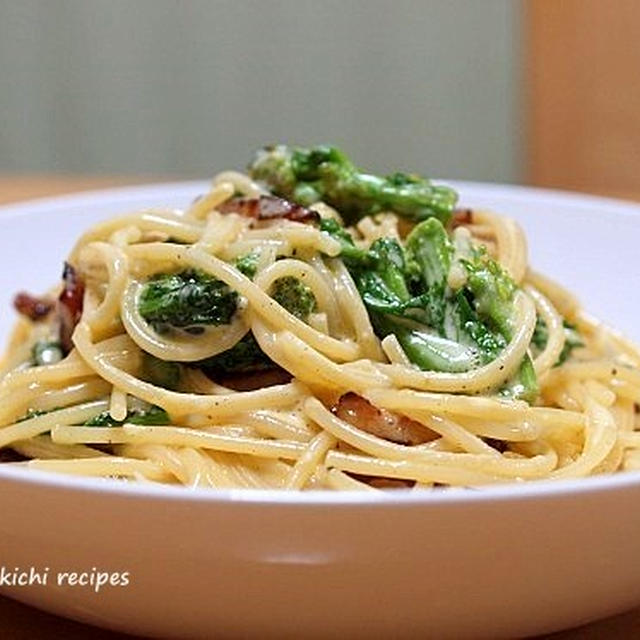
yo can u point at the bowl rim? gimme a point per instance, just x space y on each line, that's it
509 491
544 489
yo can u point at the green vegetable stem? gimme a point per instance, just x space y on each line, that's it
325 173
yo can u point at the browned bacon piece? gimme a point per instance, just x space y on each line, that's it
384 483
33 307
269 208
255 380
9 455
360 413
70 305
461 217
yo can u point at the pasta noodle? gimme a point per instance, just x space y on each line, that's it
348 407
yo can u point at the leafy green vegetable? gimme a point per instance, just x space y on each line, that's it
493 291
162 373
33 413
46 352
524 384
248 264
349 252
190 299
427 349
468 323
152 416
244 357
325 173
572 339
407 293
295 296
430 250
404 292
187 300
540 334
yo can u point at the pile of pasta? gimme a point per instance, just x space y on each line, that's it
286 435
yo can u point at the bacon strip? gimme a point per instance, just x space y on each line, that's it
32 307
378 482
269 208
70 304
360 413
9 455
461 217
254 380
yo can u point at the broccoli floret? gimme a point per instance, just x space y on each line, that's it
325 173
493 291
186 300
295 296
248 264
429 247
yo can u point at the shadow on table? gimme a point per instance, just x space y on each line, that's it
625 625
21 622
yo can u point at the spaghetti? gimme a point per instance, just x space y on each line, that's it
338 401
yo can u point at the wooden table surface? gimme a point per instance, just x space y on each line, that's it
19 622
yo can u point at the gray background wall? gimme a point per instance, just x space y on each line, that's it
188 87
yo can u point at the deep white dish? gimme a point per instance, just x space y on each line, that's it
499 562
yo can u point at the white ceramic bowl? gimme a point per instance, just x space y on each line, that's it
501 562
